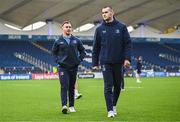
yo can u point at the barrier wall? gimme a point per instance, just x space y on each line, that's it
44 76
80 75
15 76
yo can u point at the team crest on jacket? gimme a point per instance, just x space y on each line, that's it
117 31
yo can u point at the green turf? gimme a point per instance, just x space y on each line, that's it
155 99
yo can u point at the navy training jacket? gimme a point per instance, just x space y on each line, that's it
68 55
112 43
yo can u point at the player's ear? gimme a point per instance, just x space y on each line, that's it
112 12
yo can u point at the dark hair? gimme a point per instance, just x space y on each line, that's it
66 22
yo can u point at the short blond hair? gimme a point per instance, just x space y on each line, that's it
66 22
108 7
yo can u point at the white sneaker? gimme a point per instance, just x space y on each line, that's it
64 109
77 96
138 81
114 110
123 89
72 109
110 114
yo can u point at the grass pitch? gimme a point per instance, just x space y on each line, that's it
155 99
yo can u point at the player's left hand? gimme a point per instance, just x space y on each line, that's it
126 64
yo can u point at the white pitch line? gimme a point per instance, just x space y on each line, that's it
133 87
129 87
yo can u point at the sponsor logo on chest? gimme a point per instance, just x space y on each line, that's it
117 31
61 42
104 31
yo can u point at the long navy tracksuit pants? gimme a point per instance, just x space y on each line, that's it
112 74
67 81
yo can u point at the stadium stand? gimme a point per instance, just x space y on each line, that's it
35 56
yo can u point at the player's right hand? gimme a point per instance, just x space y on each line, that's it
126 64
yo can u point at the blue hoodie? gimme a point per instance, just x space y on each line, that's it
112 43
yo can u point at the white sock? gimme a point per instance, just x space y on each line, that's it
76 91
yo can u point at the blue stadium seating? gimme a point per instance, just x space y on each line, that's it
149 50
